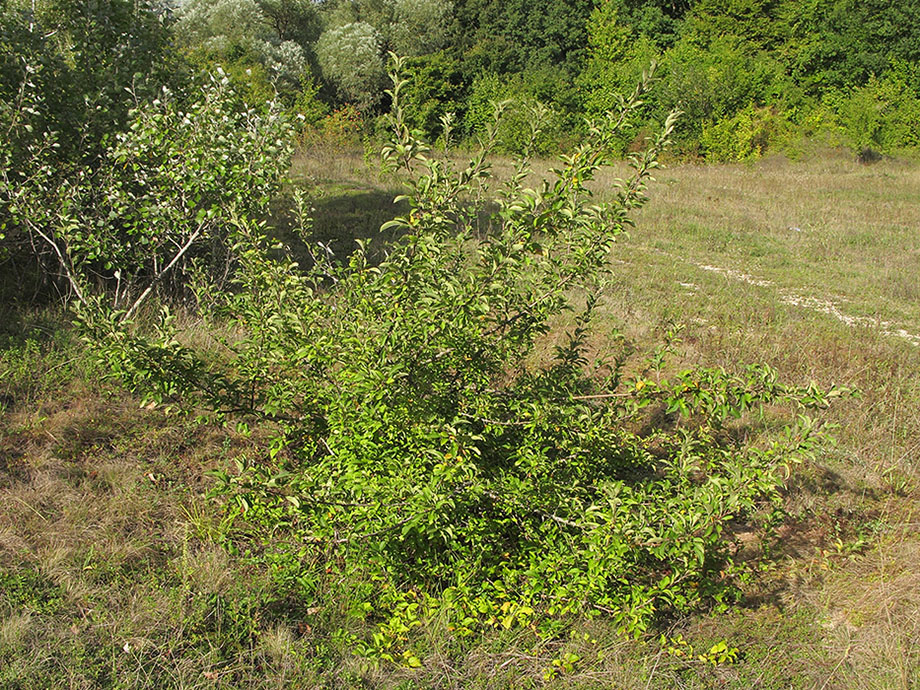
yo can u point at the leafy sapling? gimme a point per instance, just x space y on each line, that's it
428 454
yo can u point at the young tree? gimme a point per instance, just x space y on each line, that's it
428 454
70 72
350 58
616 58
87 62
420 26
153 209
274 35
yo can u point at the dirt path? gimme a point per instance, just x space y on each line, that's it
797 299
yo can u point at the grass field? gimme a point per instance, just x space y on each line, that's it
112 573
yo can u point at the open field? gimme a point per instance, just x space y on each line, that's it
111 570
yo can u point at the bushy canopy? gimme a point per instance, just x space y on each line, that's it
350 58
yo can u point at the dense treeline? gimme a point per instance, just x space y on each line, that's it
748 74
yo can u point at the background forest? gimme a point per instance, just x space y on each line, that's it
749 75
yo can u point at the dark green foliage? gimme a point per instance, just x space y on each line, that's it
513 36
715 83
755 21
436 88
839 43
657 20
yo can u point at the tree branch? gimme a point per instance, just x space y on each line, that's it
65 264
159 276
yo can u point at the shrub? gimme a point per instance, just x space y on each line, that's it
89 63
154 208
308 106
435 89
519 111
334 135
884 114
746 135
712 83
428 455
69 73
350 59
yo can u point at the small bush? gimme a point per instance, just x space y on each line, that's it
436 88
350 58
152 210
429 455
337 132
746 135
493 101
884 114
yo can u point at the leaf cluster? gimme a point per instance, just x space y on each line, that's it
152 209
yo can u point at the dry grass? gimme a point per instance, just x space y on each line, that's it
831 229
844 234
111 566
104 585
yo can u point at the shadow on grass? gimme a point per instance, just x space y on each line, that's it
340 221
343 217
30 301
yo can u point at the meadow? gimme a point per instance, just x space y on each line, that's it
113 571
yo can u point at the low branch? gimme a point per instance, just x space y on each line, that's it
379 532
159 276
550 516
601 396
65 264
485 420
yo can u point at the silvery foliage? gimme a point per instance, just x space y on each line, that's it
217 24
220 26
350 57
285 61
419 26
